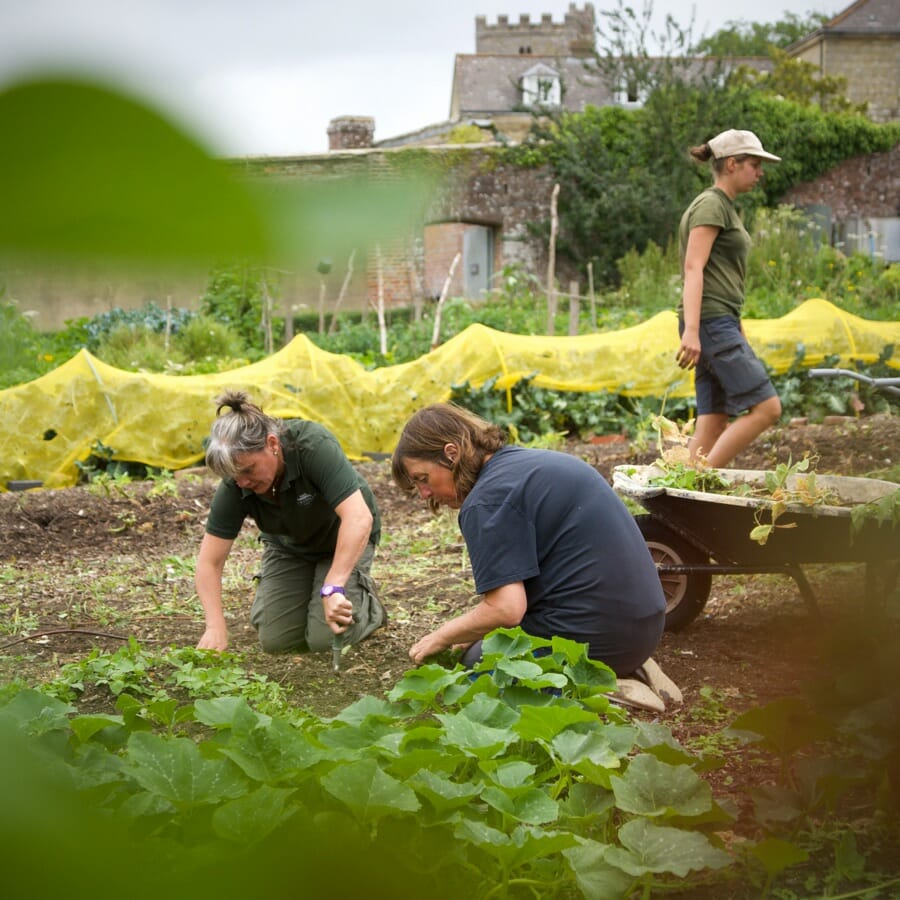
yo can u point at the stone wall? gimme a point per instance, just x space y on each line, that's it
865 186
857 204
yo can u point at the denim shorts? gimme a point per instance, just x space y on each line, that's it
729 377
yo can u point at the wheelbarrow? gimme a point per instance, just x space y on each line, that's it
693 535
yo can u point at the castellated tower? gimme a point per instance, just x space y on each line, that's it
574 36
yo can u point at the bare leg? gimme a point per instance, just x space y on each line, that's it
708 430
743 431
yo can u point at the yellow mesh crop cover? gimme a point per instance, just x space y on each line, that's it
162 420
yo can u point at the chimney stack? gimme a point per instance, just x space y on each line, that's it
351 133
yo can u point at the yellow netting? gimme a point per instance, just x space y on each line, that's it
161 420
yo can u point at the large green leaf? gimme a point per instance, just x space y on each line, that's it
35 713
596 878
443 793
511 850
434 759
530 805
425 684
359 737
544 723
229 712
510 774
655 848
88 173
249 819
474 738
586 802
368 791
85 727
653 788
175 770
369 707
588 753
276 752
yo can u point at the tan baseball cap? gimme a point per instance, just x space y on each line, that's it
739 143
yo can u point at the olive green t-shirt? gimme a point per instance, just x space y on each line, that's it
723 275
318 477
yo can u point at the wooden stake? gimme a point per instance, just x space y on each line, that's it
340 298
436 333
574 308
267 316
379 309
593 299
551 262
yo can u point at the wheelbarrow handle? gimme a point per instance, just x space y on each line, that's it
888 385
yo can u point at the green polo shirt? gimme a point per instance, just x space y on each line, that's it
318 477
723 275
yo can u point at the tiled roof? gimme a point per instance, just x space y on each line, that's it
867 17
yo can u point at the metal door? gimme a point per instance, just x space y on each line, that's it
478 257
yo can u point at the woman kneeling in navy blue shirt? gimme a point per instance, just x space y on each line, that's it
553 549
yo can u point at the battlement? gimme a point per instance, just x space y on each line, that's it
574 36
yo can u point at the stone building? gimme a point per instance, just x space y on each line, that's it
862 45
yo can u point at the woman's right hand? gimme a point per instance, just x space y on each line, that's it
688 354
213 639
208 581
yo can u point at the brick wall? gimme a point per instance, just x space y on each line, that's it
442 243
476 191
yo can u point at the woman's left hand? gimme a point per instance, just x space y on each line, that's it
338 613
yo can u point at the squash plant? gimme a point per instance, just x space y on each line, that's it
517 778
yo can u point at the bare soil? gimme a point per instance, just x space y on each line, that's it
90 567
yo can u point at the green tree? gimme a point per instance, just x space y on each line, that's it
758 38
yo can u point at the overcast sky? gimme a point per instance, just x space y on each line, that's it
265 77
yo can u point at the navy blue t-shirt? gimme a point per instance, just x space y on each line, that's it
550 520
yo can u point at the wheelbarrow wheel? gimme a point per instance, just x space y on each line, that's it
686 594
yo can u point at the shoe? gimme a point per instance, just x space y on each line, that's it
658 682
631 692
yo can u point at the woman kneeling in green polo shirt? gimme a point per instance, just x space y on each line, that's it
318 521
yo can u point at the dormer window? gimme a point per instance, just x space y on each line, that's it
541 86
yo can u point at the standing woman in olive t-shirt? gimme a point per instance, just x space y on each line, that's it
729 378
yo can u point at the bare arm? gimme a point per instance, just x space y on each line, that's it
208 581
352 538
699 246
503 607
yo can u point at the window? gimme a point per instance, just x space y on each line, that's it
629 95
541 87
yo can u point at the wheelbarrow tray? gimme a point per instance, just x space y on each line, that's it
720 524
